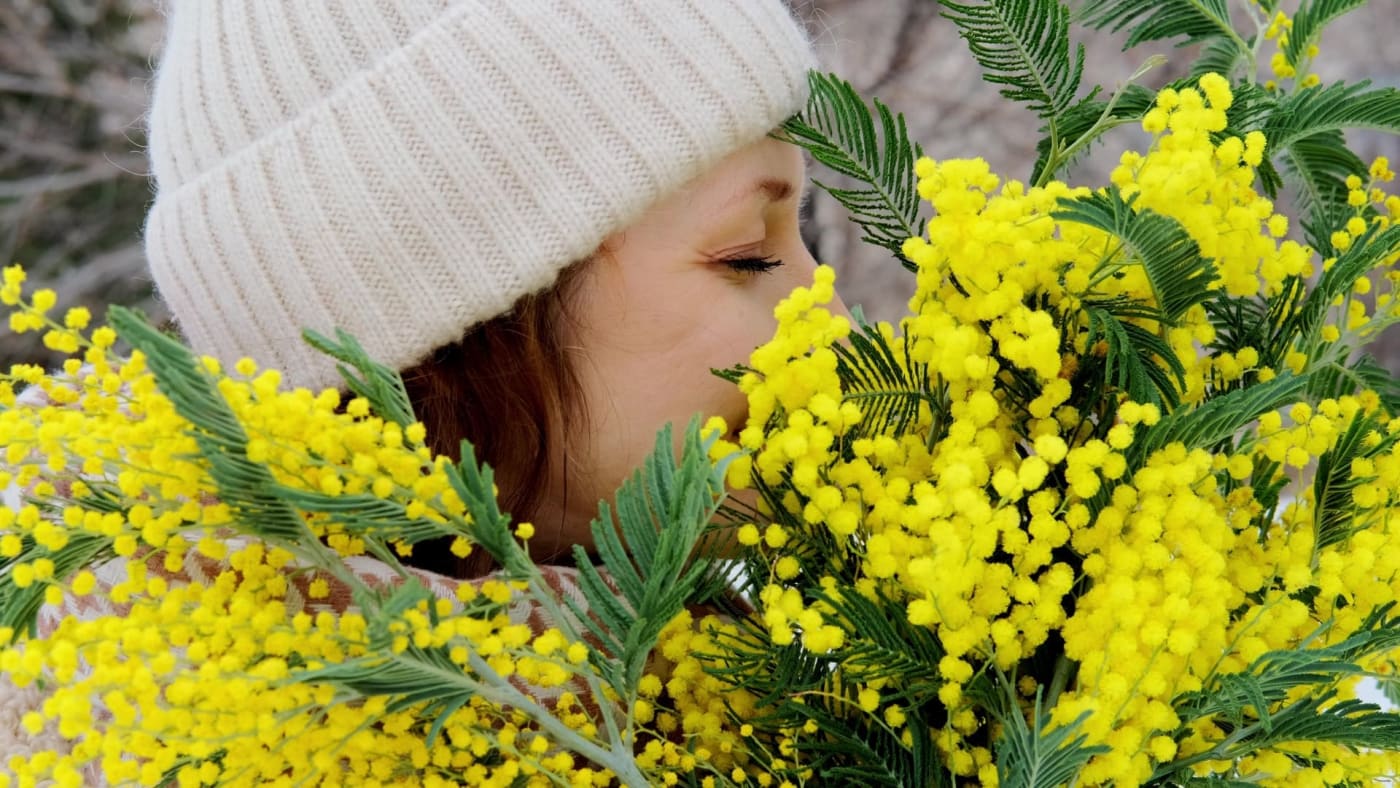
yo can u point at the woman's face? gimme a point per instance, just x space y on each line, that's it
689 287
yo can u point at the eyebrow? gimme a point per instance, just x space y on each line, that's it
773 190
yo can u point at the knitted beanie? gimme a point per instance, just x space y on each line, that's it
403 169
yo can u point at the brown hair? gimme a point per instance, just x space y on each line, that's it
508 387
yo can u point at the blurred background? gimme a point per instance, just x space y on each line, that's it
75 75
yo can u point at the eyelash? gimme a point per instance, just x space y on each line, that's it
753 265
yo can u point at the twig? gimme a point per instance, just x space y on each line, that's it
59 182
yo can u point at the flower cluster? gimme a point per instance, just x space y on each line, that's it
179 638
1078 542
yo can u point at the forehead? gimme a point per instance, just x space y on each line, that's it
768 169
765 160
734 189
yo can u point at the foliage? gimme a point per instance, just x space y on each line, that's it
1301 119
840 132
1067 352
1023 45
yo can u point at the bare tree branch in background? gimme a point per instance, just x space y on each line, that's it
73 186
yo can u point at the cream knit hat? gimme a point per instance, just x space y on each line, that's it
403 169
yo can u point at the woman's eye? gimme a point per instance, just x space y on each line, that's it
753 265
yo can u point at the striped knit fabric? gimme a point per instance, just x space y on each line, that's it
405 169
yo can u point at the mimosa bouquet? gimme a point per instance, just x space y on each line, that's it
1116 503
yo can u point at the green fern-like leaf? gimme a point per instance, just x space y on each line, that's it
1335 514
648 547
890 393
19 607
856 751
1264 687
748 659
794 686
1217 419
1268 681
1365 254
475 484
1352 723
1034 755
1370 374
1023 45
1136 361
886 646
1306 128
365 377
840 132
1239 322
1165 20
1219 55
1338 377
1180 276
1302 325
245 486
1312 18
1317 168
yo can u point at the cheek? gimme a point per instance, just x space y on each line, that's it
653 367
674 349
729 327
683 327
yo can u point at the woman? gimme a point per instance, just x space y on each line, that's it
555 216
